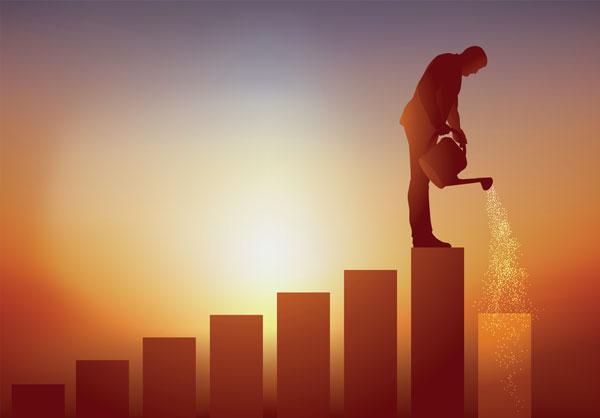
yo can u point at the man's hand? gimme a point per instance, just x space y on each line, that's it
443 129
459 136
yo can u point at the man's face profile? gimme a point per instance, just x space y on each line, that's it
471 67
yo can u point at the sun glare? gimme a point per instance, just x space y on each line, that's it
267 246
262 238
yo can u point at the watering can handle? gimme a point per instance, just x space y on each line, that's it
436 134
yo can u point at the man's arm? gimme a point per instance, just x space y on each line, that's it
453 116
454 122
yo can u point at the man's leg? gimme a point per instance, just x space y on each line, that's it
418 201
418 191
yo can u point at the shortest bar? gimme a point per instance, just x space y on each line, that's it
504 365
102 388
236 366
38 401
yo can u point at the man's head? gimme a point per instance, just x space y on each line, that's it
473 59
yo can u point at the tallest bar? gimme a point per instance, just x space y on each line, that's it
437 332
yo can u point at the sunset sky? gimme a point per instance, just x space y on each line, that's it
161 162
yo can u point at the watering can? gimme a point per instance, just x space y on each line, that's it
444 160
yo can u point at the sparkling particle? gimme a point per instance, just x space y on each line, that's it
505 287
505 290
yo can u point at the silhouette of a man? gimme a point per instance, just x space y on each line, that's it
434 103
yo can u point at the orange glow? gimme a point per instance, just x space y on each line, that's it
504 365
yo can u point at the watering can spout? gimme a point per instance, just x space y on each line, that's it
486 182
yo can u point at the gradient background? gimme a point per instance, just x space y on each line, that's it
161 162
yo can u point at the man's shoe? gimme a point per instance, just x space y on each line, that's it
429 241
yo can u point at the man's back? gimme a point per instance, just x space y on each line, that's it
438 88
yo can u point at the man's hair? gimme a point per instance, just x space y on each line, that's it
475 54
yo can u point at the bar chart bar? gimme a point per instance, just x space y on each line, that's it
303 355
102 389
504 358
370 343
38 401
169 381
437 332
236 366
